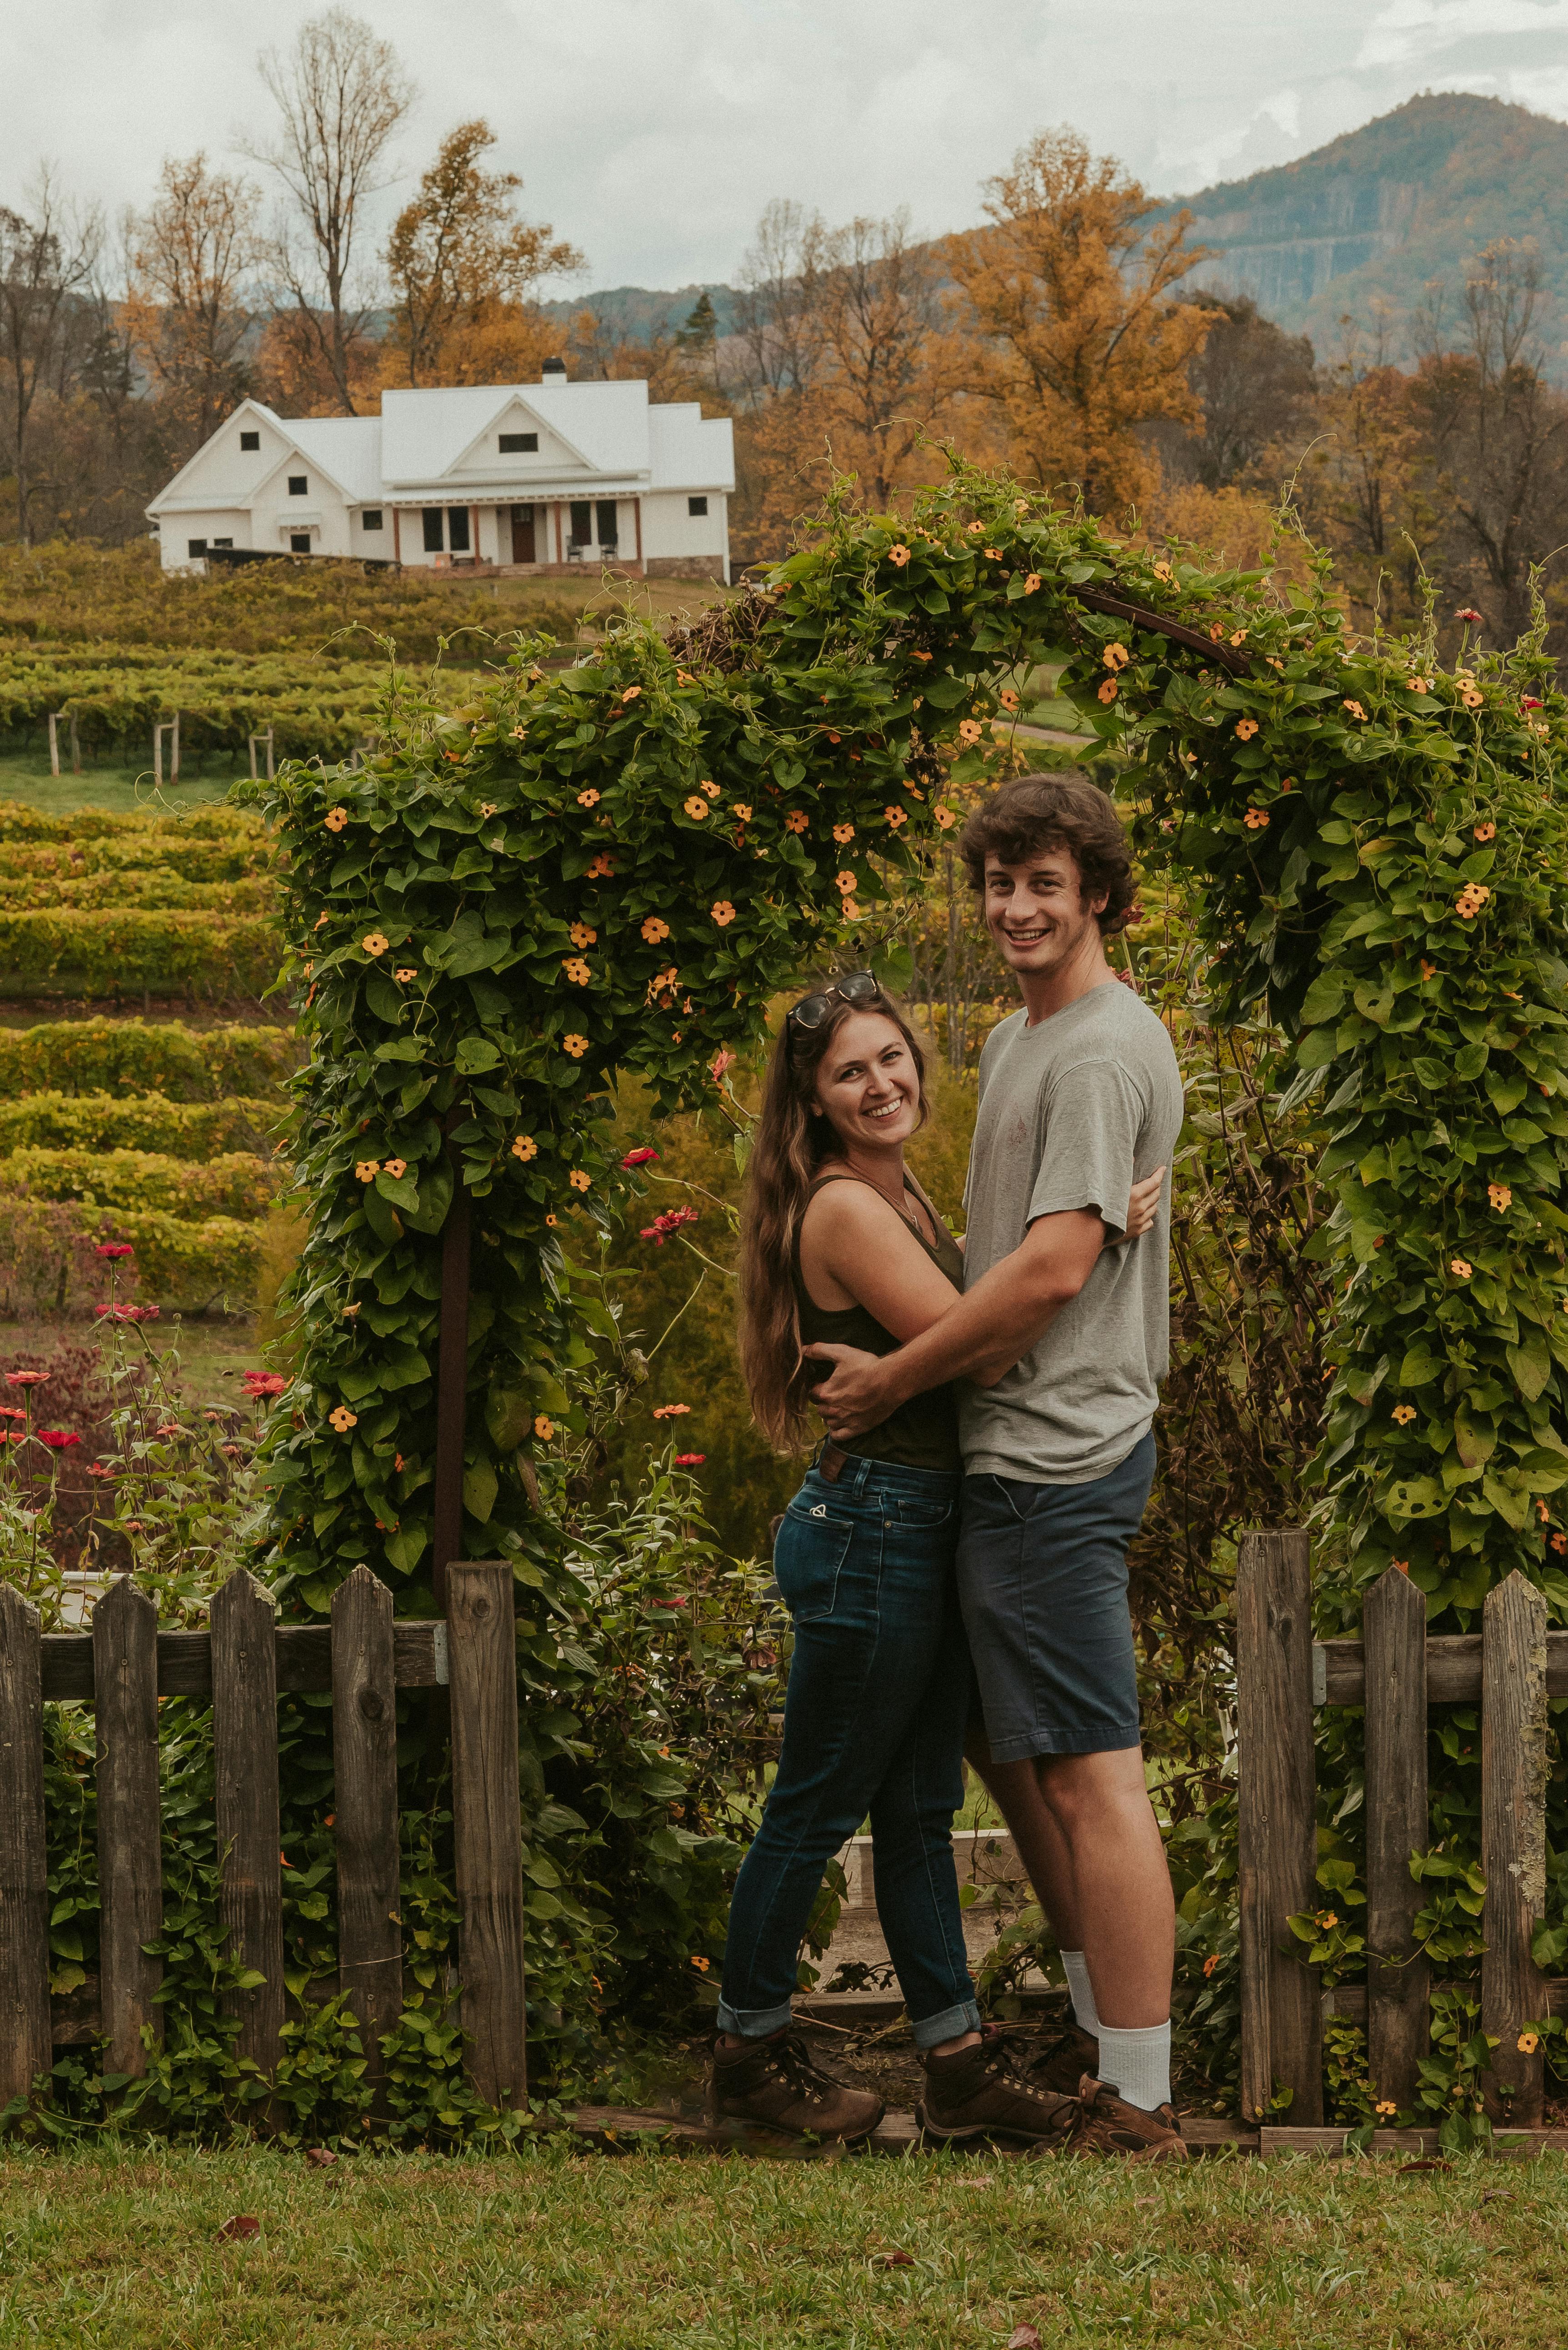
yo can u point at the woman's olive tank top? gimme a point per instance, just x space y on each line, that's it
923 1432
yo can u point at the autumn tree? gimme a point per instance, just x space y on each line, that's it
1081 338
465 272
341 94
189 260
48 259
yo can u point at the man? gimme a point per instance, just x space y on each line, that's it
1062 1342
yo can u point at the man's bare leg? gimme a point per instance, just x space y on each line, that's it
1015 1789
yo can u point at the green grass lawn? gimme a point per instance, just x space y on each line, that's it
25 775
120 2251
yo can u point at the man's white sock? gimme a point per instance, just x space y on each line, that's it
1083 1992
1138 2062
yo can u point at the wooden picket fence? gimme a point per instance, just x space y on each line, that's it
124 1665
1395 1670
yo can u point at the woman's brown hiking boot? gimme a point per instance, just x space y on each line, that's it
776 2084
987 2092
1108 2125
1060 2062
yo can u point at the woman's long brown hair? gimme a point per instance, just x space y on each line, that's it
787 1148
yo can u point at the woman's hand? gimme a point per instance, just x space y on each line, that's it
1143 1206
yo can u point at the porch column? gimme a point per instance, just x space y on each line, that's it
556 510
637 518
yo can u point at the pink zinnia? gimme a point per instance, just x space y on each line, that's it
57 1439
262 1383
639 1157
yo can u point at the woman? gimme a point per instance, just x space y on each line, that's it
840 1242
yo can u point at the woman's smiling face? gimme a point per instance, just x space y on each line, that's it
866 1083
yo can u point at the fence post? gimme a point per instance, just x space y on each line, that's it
24 2049
487 1826
55 716
1513 1837
1281 2007
130 1841
245 1741
364 1771
1394 1627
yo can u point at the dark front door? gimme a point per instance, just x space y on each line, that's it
457 529
582 521
605 510
522 535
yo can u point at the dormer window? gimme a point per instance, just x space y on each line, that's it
250 440
522 445
300 485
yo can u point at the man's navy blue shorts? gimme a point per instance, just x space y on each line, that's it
1043 1582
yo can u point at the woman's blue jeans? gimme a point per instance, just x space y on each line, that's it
874 1723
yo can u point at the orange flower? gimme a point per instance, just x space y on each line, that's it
1385 2107
405 973
796 820
849 909
712 790
1109 690
1032 583
946 818
1245 729
1529 2042
577 971
1458 1265
696 808
544 1427
1428 970
1162 571
1404 1413
583 934
396 1168
1559 1543
843 833
969 729
742 813
343 1419
1238 636
335 818
1007 698
587 799
1116 656
367 1170
632 694
654 929
1355 709
1470 901
975 528
846 882
683 677
524 1148
1256 819
552 1221
602 866
723 913
487 809
520 733
1212 1960
1485 831
899 554
576 1045
1501 1195
1470 698
580 1179
374 943
895 816
1416 685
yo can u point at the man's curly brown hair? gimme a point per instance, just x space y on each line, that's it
1039 812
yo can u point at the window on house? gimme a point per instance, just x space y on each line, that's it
250 440
299 542
605 511
434 540
372 518
519 443
457 529
696 505
195 546
222 542
582 523
300 485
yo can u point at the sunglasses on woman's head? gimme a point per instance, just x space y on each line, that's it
857 987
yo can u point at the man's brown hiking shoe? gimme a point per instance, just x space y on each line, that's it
777 2084
986 2092
1060 2061
1108 2125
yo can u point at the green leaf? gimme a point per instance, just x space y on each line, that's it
434 1197
406 1547
480 1486
475 1055
508 1416
1531 1363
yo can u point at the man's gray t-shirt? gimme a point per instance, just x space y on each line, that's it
1073 1112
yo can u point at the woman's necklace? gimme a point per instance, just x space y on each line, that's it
896 1205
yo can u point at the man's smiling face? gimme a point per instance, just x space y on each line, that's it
1037 913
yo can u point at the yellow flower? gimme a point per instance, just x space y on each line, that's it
343 1419
396 1168
696 808
1109 690
520 733
723 913
796 821
487 809
587 799
1116 656
576 1045
946 817
742 813
895 816
1529 2042
374 943
969 732
1162 571
335 818
1032 583
524 1148
655 930
1256 819
1245 729
405 973
1404 1413
843 833
1501 1196
1239 636
367 1170
544 1427
577 971
1387 2107
846 882
1470 901
579 1179
1458 1265
1485 831
899 555
583 934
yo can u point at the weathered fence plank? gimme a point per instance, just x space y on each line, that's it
1453 1670
1281 2024
304 1653
24 2049
365 1805
1513 1837
244 1739
1395 1623
487 1826
129 1838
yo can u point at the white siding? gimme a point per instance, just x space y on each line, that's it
176 530
670 530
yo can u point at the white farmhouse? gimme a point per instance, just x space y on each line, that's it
526 478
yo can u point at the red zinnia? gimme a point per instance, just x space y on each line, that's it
26 1378
114 1249
639 1157
262 1383
12 1411
57 1439
689 1460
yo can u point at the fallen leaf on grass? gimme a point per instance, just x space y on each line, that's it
985 2178
320 2158
1497 2196
240 2229
1023 2337
1405 2168
892 2261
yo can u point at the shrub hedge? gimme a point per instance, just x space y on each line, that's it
219 956
220 701
149 890
104 1122
165 1057
100 835
233 1183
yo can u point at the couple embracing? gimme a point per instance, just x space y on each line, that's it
955 1561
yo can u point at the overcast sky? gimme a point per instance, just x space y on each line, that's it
652 132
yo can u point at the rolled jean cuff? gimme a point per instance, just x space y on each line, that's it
753 2023
932 2030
